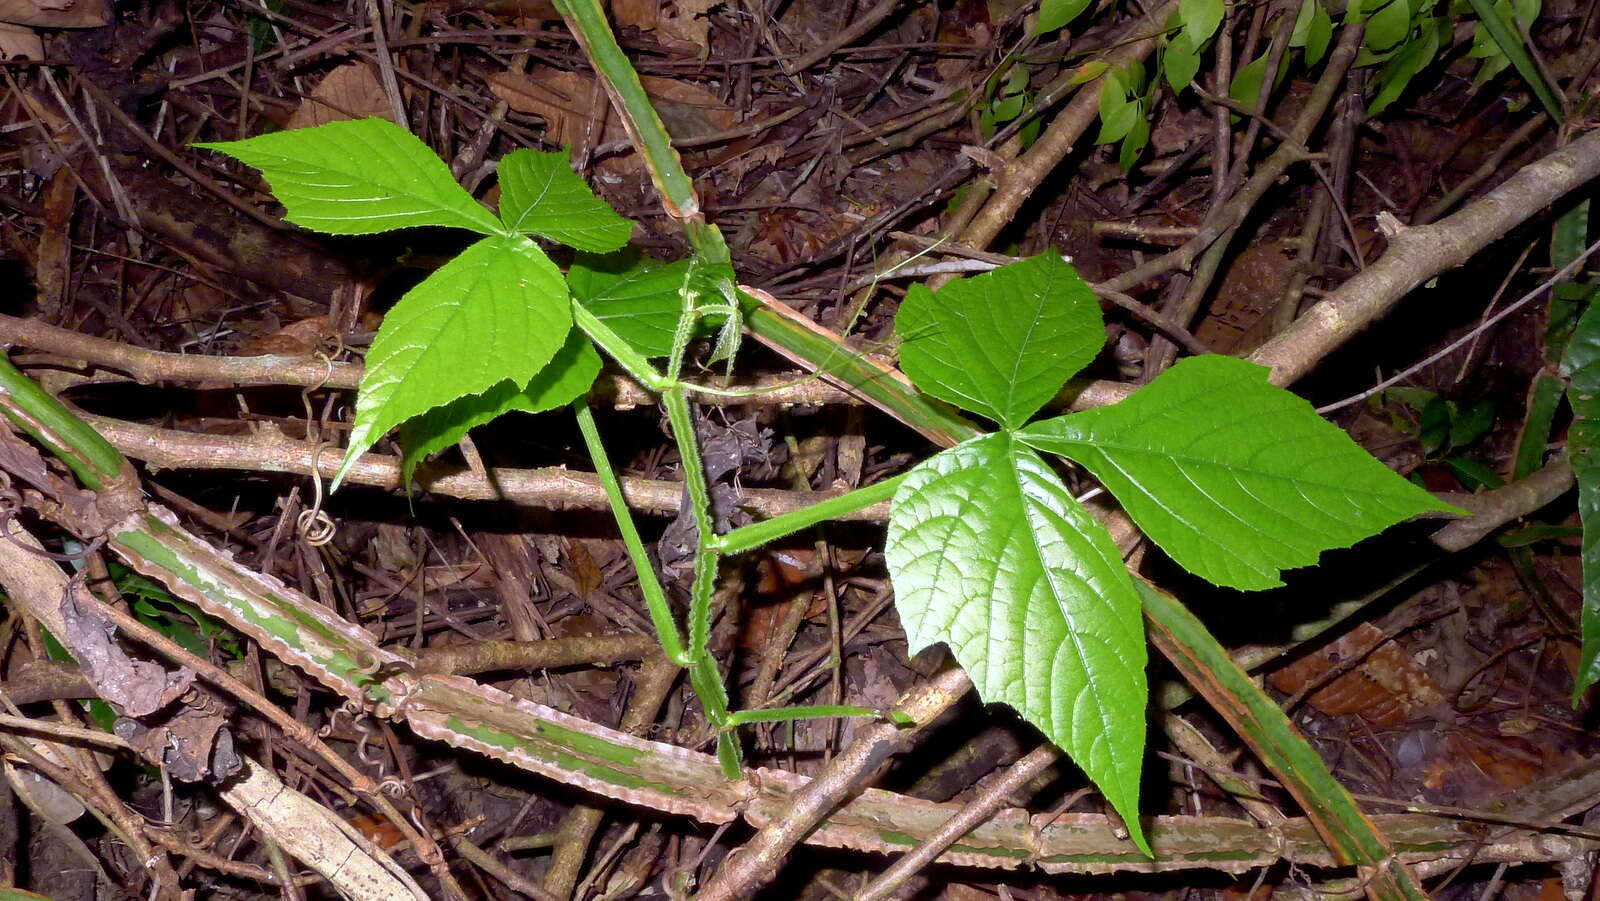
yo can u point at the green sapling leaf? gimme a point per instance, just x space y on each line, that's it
990 554
1181 64
541 195
497 312
1388 26
1003 343
639 298
1200 20
570 374
1233 477
1054 14
359 177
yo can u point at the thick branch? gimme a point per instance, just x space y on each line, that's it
1416 254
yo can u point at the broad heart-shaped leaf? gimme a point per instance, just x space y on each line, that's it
568 375
1233 477
1581 364
541 195
639 298
990 553
1002 343
359 177
497 312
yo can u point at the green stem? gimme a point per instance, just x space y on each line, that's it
746 538
787 714
588 22
618 348
33 410
655 600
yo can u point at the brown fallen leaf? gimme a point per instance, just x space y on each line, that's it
350 91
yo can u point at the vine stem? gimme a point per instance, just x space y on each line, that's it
655 600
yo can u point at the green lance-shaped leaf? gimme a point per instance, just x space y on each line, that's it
1233 477
1582 367
569 374
1002 343
989 553
497 312
541 195
359 177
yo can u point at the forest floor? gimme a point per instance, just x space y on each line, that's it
846 150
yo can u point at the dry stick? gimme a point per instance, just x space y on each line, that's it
425 847
865 23
486 862
1418 253
758 861
1024 175
147 366
1221 221
1492 165
980 808
549 487
578 650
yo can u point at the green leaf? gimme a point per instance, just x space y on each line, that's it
1246 86
1474 475
1234 478
1581 365
1404 66
1054 14
1180 64
1004 342
1302 23
989 553
1200 20
1536 533
570 374
1388 26
1117 111
1319 36
1434 430
1134 144
639 298
1471 422
498 311
1008 107
359 177
1497 19
541 195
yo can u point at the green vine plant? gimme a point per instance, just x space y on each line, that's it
989 552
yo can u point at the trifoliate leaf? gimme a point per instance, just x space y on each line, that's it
498 311
989 553
1234 478
541 195
1002 343
568 375
359 177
